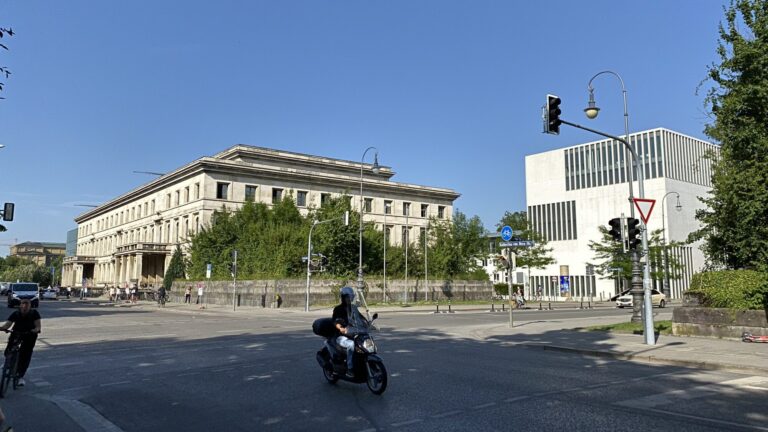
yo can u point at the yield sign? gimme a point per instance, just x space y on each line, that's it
645 207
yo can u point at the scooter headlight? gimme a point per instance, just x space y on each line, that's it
369 346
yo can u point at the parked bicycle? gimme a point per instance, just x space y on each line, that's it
10 376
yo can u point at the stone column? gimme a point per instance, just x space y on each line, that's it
139 262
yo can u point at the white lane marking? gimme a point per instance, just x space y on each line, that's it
516 398
188 374
71 363
446 414
39 367
485 405
114 383
88 418
233 331
708 420
409 422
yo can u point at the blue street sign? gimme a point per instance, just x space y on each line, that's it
506 233
516 243
565 285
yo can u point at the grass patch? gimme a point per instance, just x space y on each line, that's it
663 327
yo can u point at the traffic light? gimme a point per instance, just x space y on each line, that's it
615 231
8 212
552 114
633 233
233 269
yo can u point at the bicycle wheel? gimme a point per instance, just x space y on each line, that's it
5 379
14 370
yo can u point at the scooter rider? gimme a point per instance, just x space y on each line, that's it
345 315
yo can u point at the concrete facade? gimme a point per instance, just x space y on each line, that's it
130 239
572 191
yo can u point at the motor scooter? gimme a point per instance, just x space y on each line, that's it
367 366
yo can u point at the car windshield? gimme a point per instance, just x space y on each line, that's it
23 287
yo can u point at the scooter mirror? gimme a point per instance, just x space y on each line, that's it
376 315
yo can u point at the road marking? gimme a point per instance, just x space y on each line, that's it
71 363
409 422
84 415
188 374
114 383
516 398
485 405
446 414
233 331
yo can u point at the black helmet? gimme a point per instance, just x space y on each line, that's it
347 295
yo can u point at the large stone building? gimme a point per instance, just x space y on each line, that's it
572 191
130 238
40 253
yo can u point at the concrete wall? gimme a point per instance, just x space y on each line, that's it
261 293
720 323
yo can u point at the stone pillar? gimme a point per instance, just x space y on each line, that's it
139 265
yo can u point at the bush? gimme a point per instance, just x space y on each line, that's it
733 289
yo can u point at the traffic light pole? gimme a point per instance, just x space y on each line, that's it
641 280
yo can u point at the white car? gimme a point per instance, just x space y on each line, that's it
657 299
49 294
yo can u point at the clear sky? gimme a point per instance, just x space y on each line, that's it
450 92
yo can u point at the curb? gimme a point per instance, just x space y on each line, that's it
638 358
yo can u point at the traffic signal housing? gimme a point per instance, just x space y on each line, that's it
552 114
615 231
633 233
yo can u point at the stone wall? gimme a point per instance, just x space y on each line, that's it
720 323
261 293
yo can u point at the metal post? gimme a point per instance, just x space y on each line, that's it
665 255
309 259
407 240
360 232
426 276
385 252
234 280
509 286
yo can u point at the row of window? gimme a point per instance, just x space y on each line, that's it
169 232
554 221
302 200
135 212
688 159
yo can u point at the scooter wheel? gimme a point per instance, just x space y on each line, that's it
330 375
377 380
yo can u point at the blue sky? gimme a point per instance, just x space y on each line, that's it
450 92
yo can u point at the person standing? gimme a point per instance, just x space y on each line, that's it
199 295
188 295
26 321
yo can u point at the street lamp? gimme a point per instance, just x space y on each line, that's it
641 279
678 207
375 169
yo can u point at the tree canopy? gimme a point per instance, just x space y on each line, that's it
735 222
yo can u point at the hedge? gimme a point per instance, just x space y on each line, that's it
733 289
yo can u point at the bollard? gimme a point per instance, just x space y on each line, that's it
449 306
550 305
437 307
540 308
503 306
492 308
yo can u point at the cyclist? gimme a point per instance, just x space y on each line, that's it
161 296
26 321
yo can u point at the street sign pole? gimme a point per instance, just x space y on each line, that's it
509 286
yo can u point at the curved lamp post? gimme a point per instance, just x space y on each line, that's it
375 169
641 279
678 207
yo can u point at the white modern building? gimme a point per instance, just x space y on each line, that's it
572 191
130 239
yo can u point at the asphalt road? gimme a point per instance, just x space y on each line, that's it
140 369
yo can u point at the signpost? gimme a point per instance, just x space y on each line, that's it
506 235
645 207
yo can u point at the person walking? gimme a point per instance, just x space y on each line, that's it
188 295
199 295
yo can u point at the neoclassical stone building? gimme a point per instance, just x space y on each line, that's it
130 239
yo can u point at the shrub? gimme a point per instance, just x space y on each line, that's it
733 289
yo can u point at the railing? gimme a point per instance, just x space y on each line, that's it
143 247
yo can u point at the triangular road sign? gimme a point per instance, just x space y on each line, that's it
645 207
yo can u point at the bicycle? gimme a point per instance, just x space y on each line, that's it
161 300
11 363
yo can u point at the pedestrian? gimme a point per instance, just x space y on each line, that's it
111 294
127 293
188 295
85 292
69 292
199 295
134 293
278 300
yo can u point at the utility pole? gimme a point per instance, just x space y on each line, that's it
234 279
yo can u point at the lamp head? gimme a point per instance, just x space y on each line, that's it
376 169
678 206
591 110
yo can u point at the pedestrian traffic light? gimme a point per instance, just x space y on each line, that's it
615 231
633 233
552 114
233 269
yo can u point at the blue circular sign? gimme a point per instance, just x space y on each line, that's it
506 233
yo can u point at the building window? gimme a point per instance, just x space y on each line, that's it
388 234
168 201
424 210
406 209
197 224
197 190
301 198
146 209
440 212
152 206
176 196
222 190
325 199
186 194
277 195
387 207
368 205
250 193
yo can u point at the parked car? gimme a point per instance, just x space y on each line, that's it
625 299
23 290
4 288
49 294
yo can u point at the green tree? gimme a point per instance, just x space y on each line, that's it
454 246
735 222
176 268
536 256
